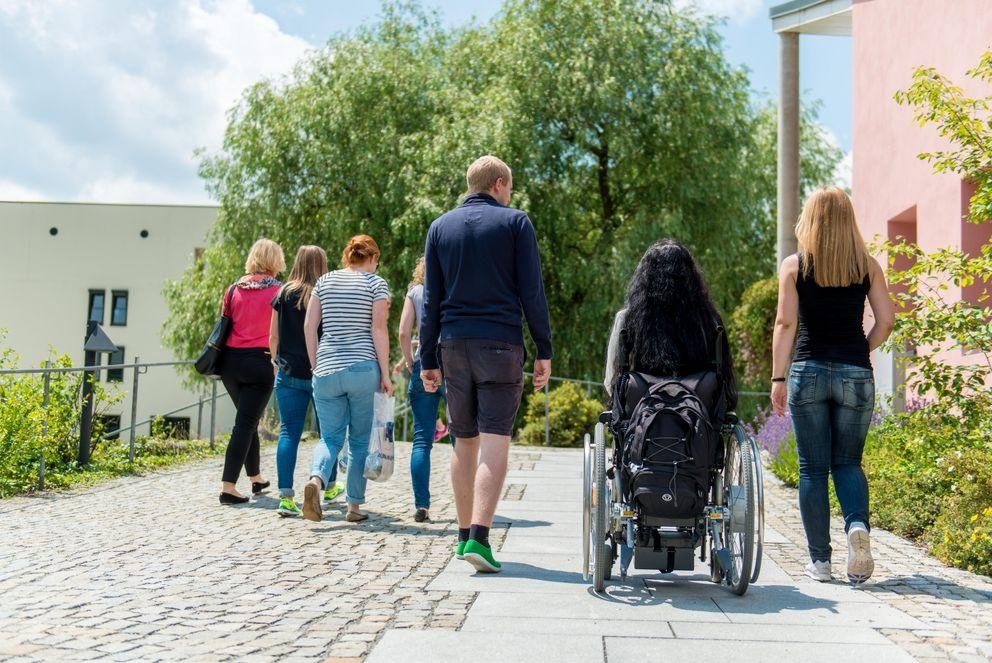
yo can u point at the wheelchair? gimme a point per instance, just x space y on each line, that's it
729 533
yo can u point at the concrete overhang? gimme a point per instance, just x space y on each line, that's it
813 17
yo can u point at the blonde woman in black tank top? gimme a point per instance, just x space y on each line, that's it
830 388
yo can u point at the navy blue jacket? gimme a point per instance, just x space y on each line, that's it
483 272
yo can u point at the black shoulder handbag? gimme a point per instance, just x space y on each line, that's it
208 363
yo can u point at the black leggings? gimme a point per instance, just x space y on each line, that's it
248 377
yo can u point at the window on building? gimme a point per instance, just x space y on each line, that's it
902 227
176 428
110 423
118 312
97 301
116 357
973 237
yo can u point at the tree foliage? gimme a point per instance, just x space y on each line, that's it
622 120
932 318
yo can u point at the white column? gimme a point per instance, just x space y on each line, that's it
788 144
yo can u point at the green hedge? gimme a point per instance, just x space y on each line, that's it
571 415
750 333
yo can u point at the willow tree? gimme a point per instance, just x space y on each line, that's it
622 120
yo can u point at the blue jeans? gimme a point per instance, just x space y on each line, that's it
344 402
424 407
831 406
294 396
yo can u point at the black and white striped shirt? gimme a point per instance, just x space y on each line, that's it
346 299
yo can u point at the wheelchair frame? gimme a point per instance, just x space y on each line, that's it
731 527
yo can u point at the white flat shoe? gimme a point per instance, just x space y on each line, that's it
819 571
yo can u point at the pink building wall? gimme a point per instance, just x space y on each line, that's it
892 188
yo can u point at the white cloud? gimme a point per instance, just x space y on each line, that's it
842 176
130 189
14 191
108 101
738 11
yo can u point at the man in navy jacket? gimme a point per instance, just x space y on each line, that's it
483 273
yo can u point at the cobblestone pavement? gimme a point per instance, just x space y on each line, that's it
955 605
152 568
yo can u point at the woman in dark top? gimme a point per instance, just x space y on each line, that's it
670 323
831 388
294 379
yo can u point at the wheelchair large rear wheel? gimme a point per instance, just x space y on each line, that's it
759 499
586 504
601 551
740 528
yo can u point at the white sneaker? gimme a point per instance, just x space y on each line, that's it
819 571
860 564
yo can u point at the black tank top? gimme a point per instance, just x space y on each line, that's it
831 322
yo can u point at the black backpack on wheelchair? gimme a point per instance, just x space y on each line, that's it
671 442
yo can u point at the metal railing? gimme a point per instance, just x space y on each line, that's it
139 368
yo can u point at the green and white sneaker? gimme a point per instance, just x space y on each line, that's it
288 507
460 550
481 557
333 491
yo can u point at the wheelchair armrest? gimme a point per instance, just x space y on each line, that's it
606 417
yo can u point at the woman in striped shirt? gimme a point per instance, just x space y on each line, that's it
350 363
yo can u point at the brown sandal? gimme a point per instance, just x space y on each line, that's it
353 517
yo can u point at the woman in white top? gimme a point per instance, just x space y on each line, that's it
350 363
423 404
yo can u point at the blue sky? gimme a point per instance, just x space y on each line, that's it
105 100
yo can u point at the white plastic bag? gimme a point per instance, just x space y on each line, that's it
379 463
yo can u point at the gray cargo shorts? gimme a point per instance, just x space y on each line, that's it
484 382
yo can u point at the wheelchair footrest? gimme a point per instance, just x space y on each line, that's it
665 559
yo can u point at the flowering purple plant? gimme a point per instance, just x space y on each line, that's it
770 430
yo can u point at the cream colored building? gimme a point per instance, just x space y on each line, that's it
67 262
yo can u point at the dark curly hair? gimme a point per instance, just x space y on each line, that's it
671 323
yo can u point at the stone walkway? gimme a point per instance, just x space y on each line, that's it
151 568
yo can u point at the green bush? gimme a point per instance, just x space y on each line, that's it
571 414
750 333
784 463
30 431
962 533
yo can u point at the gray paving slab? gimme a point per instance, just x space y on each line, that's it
649 650
480 623
436 646
545 525
775 633
800 609
542 544
772 535
619 602
529 572
524 516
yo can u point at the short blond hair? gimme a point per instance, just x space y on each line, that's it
484 172
265 257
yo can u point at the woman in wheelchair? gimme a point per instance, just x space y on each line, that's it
682 473
669 324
